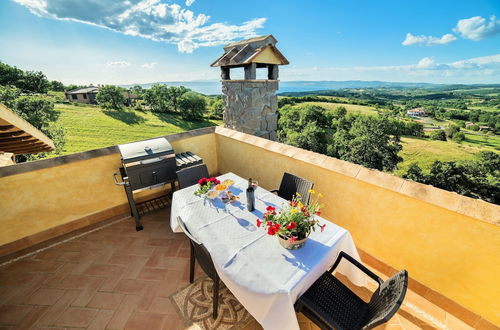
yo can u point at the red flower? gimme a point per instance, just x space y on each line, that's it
269 223
214 180
203 181
271 230
277 226
291 225
259 222
293 239
322 227
270 208
318 213
293 203
305 211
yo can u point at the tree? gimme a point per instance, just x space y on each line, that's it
438 134
479 178
174 97
137 90
10 75
451 130
56 86
295 121
371 146
215 108
157 98
39 112
27 81
35 82
458 137
474 127
8 94
192 105
110 96
414 173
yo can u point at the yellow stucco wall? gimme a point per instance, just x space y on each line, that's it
451 253
35 201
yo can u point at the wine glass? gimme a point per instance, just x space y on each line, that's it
255 184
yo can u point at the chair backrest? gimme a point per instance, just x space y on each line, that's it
200 251
291 184
386 301
190 175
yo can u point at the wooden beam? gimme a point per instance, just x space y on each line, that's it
32 150
4 128
20 145
21 142
12 134
17 138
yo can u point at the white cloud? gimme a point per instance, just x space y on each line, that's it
477 27
426 63
428 40
189 2
117 64
151 19
150 65
484 69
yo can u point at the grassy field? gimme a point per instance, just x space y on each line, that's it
91 127
354 108
425 152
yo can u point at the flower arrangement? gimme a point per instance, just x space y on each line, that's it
205 185
295 221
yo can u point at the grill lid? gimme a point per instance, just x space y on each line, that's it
144 149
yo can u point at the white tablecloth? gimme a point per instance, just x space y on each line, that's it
265 277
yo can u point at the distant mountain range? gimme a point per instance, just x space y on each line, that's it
213 87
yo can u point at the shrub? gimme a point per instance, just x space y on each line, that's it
458 137
438 134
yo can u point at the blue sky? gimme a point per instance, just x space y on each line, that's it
141 41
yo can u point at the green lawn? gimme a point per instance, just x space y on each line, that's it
91 127
354 108
425 152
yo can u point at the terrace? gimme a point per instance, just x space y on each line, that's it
70 255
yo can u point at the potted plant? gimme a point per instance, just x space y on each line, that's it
294 223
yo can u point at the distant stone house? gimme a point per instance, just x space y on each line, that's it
85 95
88 95
417 112
485 128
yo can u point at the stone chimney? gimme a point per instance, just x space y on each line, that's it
250 105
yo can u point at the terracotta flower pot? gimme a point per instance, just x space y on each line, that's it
289 244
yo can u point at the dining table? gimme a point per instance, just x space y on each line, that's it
266 278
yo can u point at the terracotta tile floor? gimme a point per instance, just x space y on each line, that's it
115 278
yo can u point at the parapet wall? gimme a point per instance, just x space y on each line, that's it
447 242
44 199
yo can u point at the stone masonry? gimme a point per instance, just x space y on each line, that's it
250 106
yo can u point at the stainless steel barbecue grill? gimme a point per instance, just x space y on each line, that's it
149 164
146 164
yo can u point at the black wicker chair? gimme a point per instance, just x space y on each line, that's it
331 305
190 175
200 253
291 184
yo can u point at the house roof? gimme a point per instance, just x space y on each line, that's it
91 89
17 136
417 110
254 50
